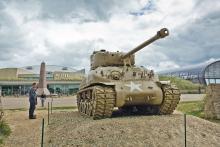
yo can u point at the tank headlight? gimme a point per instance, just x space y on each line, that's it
115 75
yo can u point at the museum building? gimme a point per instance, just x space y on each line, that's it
60 79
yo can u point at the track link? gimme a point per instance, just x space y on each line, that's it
97 101
171 98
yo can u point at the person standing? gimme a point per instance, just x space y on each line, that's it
42 98
32 100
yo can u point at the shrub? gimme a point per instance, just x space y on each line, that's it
4 131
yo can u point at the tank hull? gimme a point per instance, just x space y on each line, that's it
98 100
137 93
130 89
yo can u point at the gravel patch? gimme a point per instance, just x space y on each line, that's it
25 132
71 129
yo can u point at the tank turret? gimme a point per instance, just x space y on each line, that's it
105 58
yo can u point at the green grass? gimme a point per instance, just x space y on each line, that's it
195 108
181 83
44 108
64 107
59 108
4 131
17 109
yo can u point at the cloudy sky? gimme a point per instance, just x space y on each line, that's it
66 32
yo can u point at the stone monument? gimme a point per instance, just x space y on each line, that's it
42 85
212 101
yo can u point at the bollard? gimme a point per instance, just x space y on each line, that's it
48 113
51 107
42 134
185 129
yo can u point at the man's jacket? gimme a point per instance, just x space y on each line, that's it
32 95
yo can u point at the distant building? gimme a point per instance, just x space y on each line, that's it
205 73
60 80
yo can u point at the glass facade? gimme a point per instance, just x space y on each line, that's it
63 89
60 89
14 90
212 73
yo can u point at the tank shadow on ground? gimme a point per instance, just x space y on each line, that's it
119 113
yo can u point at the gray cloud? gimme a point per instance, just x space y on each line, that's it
32 31
12 40
83 10
195 42
75 55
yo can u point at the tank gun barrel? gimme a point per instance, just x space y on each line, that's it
160 34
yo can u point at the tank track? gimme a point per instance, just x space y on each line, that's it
171 98
96 102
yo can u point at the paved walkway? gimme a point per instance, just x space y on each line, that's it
22 102
192 97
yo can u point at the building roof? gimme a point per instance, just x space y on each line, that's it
53 72
203 73
35 69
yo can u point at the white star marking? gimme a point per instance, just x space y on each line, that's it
134 86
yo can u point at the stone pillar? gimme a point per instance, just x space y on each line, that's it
42 85
212 101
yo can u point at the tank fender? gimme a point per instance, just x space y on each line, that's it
161 83
165 82
106 83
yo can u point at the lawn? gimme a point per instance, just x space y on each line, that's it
181 83
195 108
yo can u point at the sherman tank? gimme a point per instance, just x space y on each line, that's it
115 81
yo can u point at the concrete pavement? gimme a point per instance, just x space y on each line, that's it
23 102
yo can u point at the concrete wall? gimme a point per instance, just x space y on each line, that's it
212 101
11 73
8 73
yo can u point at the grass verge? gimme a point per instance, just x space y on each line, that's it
4 131
59 108
181 83
45 108
195 108
64 107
